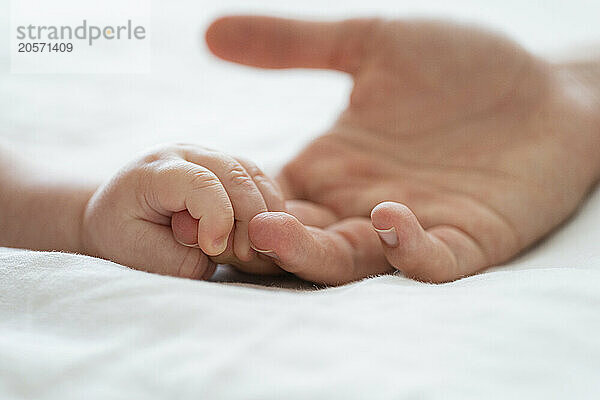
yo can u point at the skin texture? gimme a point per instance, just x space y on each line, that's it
133 218
457 143
459 147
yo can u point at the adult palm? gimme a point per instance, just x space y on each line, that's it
477 148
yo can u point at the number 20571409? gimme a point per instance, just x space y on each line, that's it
44 47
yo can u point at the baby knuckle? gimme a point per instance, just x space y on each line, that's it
159 172
276 201
264 181
258 174
238 175
180 145
203 179
186 150
162 168
250 166
161 152
144 176
156 162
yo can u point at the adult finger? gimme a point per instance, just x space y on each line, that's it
184 228
344 252
269 42
311 214
439 254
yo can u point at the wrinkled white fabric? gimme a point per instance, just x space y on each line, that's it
76 327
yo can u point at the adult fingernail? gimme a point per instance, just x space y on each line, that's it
388 236
268 253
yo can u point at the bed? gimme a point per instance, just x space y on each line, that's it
74 327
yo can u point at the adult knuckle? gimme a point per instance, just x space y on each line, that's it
352 41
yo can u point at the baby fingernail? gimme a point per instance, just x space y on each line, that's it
388 236
195 245
220 244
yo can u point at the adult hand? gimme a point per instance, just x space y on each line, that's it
478 148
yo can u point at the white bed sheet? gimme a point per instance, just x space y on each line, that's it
75 327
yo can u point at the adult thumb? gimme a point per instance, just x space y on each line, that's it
269 42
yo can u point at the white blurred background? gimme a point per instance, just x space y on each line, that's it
89 125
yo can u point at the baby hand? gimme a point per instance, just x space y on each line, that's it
128 220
